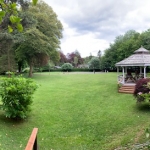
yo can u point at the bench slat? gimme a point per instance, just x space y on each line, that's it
32 139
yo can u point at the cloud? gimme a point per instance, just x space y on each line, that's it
90 26
86 44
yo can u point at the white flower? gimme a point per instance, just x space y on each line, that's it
140 93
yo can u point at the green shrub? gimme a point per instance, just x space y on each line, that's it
9 73
67 67
16 94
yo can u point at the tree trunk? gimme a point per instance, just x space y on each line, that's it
31 68
8 59
19 66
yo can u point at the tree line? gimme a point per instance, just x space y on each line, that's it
122 47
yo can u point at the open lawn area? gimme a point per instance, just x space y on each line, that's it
78 111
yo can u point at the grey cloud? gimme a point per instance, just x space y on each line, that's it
104 17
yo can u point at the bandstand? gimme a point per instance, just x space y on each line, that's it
140 60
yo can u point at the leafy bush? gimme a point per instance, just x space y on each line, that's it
66 67
142 89
16 94
9 73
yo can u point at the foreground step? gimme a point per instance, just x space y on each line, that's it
127 89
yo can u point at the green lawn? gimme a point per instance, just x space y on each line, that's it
77 111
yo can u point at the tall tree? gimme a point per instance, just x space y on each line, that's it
73 55
8 50
145 39
99 54
123 46
43 38
94 63
7 54
7 57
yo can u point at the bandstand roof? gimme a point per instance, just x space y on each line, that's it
141 57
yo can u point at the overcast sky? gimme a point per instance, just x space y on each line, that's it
91 25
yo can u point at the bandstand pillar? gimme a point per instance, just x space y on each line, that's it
123 75
144 71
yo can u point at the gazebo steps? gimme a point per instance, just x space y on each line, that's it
127 89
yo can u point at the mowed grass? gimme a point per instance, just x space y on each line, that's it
77 111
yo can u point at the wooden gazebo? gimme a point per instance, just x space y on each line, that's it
141 59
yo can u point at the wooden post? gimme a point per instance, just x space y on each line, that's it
32 142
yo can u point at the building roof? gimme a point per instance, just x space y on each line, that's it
141 57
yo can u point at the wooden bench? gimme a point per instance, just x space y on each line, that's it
32 142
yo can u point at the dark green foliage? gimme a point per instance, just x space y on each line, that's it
67 67
145 39
42 38
9 13
7 55
141 88
16 94
123 47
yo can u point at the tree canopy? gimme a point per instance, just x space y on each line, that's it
94 63
9 13
39 40
123 47
42 38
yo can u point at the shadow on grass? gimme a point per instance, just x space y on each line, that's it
9 120
144 107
